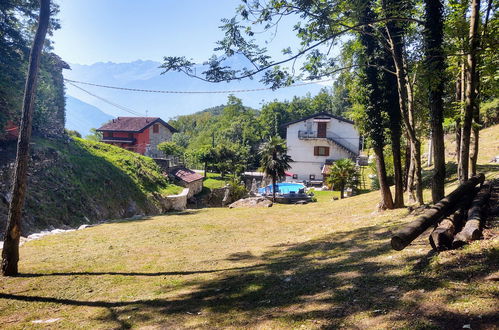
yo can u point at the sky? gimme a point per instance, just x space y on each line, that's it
127 30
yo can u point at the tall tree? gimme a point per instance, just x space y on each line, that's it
470 97
435 67
374 100
10 252
275 161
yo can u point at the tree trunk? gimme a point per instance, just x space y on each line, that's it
386 201
407 164
443 208
398 174
407 113
435 64
459 99
10 252
273 188
470 89
342 191
418 179
472 229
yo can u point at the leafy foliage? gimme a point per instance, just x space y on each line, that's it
342 173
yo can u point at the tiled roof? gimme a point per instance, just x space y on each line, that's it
320 114
185 174
133 124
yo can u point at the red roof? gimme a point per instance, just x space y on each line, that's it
133 124
185 174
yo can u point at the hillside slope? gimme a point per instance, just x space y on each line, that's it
76 181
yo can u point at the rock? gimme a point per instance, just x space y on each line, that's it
251 202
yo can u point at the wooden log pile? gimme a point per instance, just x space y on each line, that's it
457 219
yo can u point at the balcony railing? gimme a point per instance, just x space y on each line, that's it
341 142
119 139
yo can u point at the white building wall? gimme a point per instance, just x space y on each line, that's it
302 150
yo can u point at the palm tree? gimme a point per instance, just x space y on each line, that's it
342 172
274 161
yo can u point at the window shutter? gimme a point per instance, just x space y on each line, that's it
316 151
326 153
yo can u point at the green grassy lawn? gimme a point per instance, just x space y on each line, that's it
213 181
322 265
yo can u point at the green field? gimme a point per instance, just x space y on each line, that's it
322 265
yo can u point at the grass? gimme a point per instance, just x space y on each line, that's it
213 181
322 265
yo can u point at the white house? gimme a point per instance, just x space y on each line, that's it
319 140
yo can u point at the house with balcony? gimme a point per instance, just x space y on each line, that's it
316 141
137 134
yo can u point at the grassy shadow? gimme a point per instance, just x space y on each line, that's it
338 276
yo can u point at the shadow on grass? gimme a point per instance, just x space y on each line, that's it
324 281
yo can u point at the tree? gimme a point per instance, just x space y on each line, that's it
170 148
342 173
94 136
10 252
470 95
275 161
435 69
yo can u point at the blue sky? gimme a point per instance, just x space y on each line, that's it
127 30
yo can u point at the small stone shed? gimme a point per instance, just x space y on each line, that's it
187 178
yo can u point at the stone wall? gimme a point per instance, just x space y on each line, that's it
179 202
194 187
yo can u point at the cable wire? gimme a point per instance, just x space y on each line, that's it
121 107
72 82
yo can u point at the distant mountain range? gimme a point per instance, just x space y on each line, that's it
147 75
81 116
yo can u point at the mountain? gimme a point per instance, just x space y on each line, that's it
81 116
147 75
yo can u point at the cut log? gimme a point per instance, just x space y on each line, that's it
472 229
430 217
441 237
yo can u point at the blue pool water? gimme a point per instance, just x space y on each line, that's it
283 188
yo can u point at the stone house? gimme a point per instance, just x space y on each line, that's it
138 134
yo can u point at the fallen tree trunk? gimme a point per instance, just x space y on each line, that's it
472 230
441 237
430 217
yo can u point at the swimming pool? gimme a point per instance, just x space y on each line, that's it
283 188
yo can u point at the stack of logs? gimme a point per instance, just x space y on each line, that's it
457 219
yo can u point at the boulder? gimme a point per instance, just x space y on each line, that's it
251 202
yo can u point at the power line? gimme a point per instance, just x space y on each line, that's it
121 107
72 82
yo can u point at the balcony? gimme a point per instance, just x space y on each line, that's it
113 139
341 142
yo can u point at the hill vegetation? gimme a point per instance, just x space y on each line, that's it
76 181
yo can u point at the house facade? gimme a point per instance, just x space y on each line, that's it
137 134
318 140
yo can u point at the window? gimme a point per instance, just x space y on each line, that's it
295 176
321 151
312 177
155 128
108 134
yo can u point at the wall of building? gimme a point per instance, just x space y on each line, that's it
305 163
164 134
142 141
